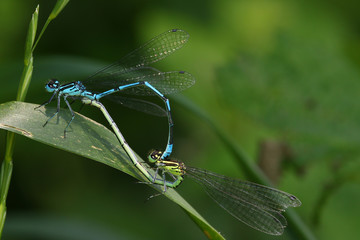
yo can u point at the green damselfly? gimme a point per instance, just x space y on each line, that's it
258 206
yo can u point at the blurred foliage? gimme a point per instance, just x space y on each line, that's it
283 71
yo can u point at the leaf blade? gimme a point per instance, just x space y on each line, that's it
88 139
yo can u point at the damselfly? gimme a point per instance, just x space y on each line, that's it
258 206
131 75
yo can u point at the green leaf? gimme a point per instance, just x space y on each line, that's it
86 138
28 57
31 36
59 6
25 80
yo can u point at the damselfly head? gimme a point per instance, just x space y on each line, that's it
52 85
155 155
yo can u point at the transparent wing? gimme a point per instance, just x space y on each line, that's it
140 105
155 50
165 82
256 205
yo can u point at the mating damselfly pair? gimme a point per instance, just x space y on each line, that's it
131 75
257 206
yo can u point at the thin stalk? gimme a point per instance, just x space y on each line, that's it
7 164
6 172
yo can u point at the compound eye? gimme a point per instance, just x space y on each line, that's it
155 155
52 85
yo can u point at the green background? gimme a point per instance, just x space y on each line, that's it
279 73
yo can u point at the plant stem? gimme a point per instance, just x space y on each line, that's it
7 164
6 172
